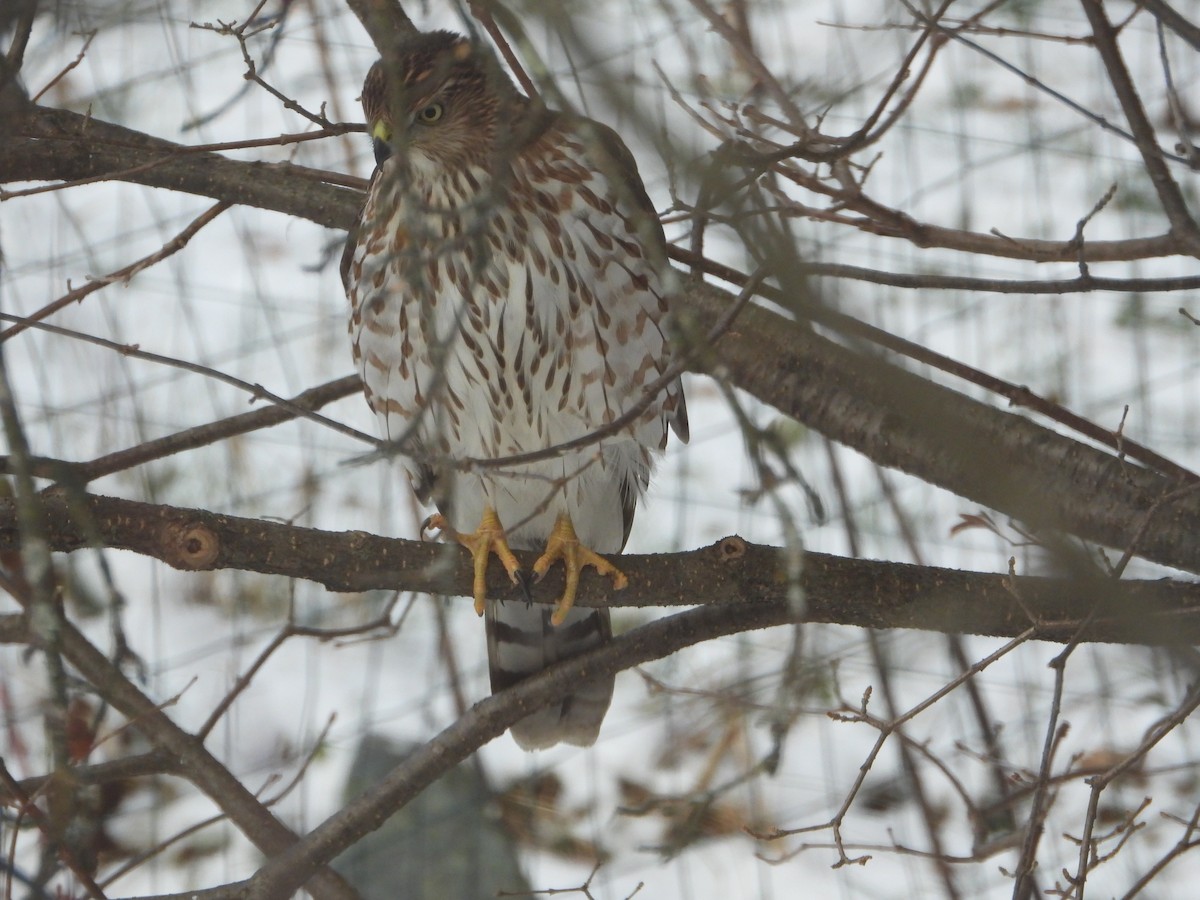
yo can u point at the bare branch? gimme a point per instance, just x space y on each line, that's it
243 808
1000 460
1172 19
730 573
123 274
1183 226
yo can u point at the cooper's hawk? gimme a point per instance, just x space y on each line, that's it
506 294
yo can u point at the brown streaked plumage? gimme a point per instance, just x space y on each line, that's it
506 294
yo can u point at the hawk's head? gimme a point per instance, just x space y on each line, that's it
444 98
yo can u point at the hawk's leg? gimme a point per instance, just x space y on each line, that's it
483 543
564 545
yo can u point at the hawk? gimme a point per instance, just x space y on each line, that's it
507 296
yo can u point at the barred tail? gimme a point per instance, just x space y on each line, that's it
521 642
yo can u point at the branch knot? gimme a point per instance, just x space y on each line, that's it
731 548
192 545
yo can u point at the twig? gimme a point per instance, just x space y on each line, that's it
1182 121
204 435
256 391
1024 884
1074 106
1016 394
484 12
1186 842
28 808
88 37
123 275
1183 226
885 728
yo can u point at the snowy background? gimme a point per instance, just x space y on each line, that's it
256 295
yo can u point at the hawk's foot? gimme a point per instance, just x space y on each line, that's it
564 545
483 543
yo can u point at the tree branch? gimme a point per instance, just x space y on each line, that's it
266 832
1000 460
56 144
731 574
1162 11
1183 226
384 20
488 719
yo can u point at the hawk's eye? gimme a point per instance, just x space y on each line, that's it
431 113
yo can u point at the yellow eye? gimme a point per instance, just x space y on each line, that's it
430 114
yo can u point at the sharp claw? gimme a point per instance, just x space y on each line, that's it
564 544
524 580
435 522
486 541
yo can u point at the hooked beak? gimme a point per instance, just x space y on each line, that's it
381 139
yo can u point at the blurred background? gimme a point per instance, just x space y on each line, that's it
669 793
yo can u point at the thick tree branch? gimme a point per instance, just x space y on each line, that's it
730 574
56 144
998 459
850 328
488 719
384 20
150 764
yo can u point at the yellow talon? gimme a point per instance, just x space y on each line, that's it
488 539
564 544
